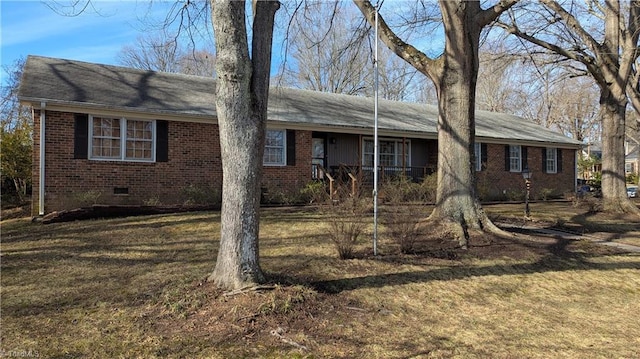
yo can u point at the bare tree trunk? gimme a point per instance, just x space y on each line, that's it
455 74
610 63
614 194
456 199
241 104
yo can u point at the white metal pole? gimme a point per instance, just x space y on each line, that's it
41 185
375 138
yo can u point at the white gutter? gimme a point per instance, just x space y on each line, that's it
41 159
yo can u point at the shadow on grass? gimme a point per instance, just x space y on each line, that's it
557 259
590 223
444 274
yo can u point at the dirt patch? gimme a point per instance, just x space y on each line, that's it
283 318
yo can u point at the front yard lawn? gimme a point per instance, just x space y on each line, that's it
134 288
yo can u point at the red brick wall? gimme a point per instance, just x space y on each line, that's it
192 174
495 183
290 179
194 163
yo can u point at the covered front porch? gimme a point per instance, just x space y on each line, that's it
348 158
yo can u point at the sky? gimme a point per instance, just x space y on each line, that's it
96 35
32 27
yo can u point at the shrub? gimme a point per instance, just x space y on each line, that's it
314 192
87 198
279 194
514 195
429 187
201 194
401 189
152 201
401 227
546 193
346 225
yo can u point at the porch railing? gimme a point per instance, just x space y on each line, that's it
365 173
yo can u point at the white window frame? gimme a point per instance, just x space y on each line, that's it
551 162
397 155
515 158
283 148
477 150
122 157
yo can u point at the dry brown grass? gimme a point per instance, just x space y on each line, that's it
133 287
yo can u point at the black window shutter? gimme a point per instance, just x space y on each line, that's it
483 157
525 161
559 159
162 141
507 163
544 159
291 147
81 136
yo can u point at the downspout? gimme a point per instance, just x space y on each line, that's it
41 159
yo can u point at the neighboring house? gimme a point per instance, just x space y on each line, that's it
130 136
592 151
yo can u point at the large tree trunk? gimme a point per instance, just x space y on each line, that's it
614 194
241 106
454 73
456 200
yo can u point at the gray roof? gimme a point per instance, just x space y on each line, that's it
113 88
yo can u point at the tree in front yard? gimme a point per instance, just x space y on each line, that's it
601 39
242 72
454 74
241 106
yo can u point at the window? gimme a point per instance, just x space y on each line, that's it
515 158
390 153
122 139
551 160
275 148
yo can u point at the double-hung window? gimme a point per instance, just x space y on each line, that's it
391 153
515 158
551 160
122 139
275 148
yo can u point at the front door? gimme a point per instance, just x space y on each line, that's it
317 157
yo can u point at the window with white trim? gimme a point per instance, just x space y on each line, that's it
122 139
515 158
275 148
551 162
391 152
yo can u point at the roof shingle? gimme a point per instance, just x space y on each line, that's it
107 87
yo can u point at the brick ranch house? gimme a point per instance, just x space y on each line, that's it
126 136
